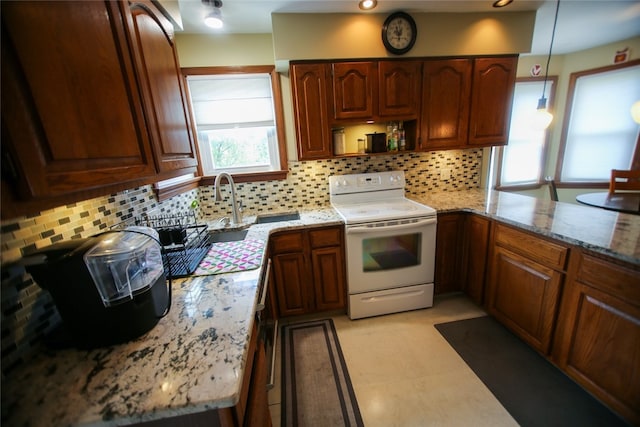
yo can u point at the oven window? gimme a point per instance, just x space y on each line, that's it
388 253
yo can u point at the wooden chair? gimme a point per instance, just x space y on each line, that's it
624 180
553 192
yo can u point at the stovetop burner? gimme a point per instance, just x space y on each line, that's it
369 197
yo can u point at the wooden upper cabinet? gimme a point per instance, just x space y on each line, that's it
71 116
491 99
446 90
309 90
163 90
398 84
444 103
354 85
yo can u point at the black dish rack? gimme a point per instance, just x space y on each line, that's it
184 242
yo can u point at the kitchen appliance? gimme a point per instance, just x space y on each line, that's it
390 243
339 142
376 142
109 288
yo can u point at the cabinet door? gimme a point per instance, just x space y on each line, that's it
163 90
524 295
398 84
328 278
491 99
71 119
353 90
477 244
598 342
309 90
257 411
446 90
449 253
292 284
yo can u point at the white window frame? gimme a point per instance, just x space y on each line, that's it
500 155
278 167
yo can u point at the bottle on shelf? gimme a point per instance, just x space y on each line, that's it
402 141
392 137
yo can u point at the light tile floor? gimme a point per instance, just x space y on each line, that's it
404 373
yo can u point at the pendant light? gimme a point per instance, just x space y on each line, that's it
214 18
543 117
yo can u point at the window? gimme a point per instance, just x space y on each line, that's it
237 114
599 133
522 162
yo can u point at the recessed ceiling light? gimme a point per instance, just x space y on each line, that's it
367 4
502 3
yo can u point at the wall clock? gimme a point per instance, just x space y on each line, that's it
399 33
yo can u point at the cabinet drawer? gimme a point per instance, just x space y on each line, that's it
325 237
622 282
543 251
287 242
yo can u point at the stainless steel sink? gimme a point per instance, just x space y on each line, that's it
290 216
227 236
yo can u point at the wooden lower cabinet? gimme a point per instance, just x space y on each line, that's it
309 270
449 253
581 311
257 409
524 296
462 242
292 283
525 279
598 339
476 245
328 278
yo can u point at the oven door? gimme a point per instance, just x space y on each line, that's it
393 254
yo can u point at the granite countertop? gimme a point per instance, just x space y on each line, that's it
609 233
194 359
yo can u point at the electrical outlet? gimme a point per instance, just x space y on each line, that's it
445 174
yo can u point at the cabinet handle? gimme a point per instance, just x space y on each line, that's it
9 170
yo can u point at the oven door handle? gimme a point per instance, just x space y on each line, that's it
364 229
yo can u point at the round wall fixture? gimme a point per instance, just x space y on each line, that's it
399 33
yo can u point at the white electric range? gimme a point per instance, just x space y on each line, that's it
390 243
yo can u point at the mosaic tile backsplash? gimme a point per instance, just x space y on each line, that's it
28 313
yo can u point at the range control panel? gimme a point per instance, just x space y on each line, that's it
366 182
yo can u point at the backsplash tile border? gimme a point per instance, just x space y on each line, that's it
28 313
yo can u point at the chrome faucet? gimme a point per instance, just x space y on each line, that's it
237 214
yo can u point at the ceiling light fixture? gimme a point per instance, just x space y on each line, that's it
502 3
635 111
543 116
367 4
214 18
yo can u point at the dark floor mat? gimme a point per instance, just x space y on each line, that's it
535 392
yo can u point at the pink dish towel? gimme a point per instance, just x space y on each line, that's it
230 257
